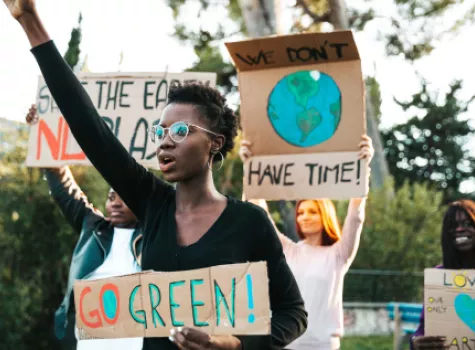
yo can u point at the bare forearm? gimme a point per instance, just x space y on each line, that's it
34 29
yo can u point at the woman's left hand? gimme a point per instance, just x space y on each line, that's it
366 149
192 339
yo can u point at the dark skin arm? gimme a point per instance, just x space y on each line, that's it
429 343
191 339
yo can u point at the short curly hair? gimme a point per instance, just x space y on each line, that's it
211 105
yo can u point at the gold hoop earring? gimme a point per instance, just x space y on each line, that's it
210 163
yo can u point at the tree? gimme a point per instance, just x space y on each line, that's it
401 233
429 147
36 243
73 52
409 19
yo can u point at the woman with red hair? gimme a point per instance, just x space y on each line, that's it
321 259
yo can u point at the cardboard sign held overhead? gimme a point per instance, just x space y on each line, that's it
449 306
301 94
220 300
128 103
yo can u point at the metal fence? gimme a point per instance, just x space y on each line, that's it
382 286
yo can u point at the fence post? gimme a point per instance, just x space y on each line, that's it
397 327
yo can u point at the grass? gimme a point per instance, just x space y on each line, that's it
369 343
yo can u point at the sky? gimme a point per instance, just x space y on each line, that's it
141 29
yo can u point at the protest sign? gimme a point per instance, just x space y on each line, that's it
220 300
128 103
449 306
330 175
302 95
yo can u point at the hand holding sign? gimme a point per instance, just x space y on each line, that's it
322 175
193 339
432 343
32 116
366 149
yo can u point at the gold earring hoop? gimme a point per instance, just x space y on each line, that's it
210 163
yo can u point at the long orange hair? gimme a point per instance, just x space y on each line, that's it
331 227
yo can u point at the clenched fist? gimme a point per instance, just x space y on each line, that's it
18 8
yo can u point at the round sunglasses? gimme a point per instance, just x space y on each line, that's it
177 131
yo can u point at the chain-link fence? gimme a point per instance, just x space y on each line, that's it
381 286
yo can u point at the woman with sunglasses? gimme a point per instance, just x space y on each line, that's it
193 226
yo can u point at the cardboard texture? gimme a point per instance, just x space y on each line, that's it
305 176
128 102
227 299
300 94
449 306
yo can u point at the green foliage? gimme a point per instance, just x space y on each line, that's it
72 54
36 241
412 30
206 41
370 343
401 233
36 244
374 90
429 147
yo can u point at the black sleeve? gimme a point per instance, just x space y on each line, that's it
129 179
289 317
72 202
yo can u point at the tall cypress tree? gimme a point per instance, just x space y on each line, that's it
430 146
73 52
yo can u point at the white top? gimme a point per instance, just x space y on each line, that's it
120 261
319 271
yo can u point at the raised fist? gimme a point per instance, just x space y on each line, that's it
18 8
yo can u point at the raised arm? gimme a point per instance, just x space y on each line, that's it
129 179
72 202
347 247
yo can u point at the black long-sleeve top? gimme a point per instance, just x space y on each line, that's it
241 234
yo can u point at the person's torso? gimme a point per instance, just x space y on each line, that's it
228 241
319 275
119 261
93 247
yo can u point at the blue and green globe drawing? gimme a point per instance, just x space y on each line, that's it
305 108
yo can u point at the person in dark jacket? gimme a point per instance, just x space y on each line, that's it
107 246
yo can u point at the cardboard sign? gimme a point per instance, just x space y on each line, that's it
129 103
329 175
301 94
449 306
221 300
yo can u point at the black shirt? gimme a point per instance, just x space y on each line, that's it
242 233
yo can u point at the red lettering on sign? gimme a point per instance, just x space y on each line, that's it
53 141
93 313
57 143
64 144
